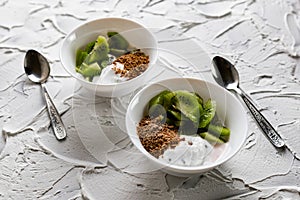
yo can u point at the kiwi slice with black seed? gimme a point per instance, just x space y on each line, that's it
158 99
200 101
187 103
167 99
174 115
209 111
211 138
219 131
156 105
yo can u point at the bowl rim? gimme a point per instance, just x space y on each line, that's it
178 168
74 75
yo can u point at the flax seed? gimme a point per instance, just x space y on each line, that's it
157 137
135 64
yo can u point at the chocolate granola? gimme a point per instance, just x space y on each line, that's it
135 63
156 136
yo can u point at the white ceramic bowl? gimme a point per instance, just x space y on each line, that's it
135 33
229 109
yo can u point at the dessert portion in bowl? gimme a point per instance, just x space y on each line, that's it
186 126
109 56
180 128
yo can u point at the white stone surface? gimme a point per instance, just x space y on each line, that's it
97 160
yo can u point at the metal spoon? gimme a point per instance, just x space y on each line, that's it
37 69
227 76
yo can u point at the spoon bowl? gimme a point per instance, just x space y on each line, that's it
37 69
227 76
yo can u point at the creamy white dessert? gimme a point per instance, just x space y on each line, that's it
108 75
193 151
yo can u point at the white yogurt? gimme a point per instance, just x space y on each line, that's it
109 76
193 151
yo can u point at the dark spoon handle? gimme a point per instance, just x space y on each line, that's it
56 122
263 123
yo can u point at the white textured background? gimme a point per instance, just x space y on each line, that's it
98 161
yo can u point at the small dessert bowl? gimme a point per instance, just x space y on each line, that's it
228 109
134 33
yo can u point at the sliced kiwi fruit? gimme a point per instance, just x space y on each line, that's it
211 138
188 112
156 105
159 98
200 101
174 115
219 131
167 99
199 98
173 122
187 127
209 111
187 103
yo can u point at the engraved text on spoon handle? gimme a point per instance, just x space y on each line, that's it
265 126
56 122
